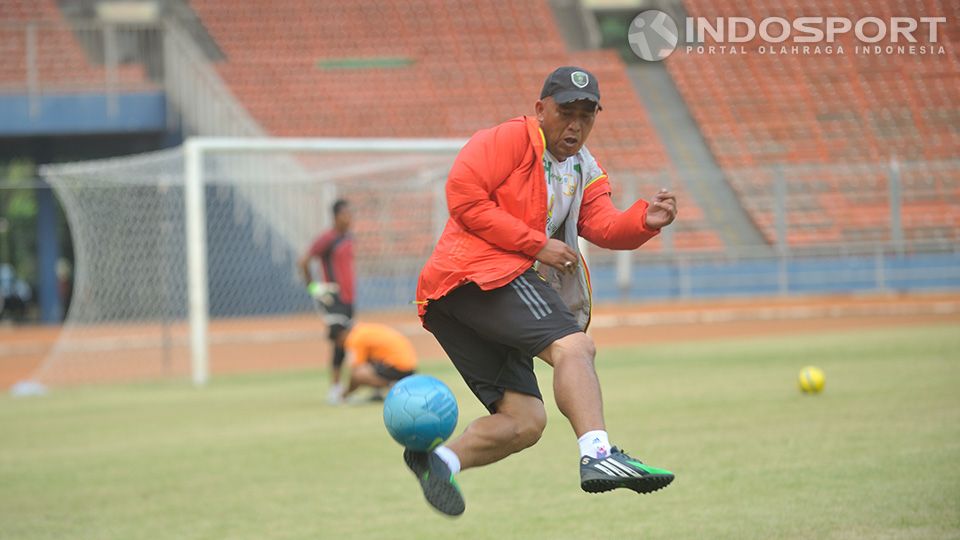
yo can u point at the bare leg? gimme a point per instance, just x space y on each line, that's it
517 424
576 387
365 375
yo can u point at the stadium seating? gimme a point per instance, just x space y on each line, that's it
831 110
427 68
61 63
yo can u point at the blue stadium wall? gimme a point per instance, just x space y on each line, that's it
82 114
907 273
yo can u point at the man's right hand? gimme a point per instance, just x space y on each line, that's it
558 255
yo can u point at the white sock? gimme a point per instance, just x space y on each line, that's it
449 458
594 444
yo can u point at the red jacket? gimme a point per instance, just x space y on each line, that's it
497 198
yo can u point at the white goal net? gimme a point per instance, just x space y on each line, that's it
186 259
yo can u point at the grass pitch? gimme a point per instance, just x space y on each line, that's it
877 455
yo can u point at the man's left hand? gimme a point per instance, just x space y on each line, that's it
662 210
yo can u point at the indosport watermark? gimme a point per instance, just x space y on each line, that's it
654 35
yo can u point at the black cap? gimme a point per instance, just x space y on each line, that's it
570 83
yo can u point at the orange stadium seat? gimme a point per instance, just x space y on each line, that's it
789 109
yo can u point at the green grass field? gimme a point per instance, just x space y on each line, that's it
262 457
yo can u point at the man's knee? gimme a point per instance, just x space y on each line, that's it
530 428
363 374
577 347
529 420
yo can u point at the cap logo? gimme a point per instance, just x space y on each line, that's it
579 78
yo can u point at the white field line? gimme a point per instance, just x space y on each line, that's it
774 313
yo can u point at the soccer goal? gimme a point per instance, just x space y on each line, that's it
186 259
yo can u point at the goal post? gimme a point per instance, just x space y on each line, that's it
185 260
198 148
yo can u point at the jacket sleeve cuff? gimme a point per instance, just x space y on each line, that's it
642 210
539 239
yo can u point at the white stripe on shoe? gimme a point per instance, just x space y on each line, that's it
610 471
621 466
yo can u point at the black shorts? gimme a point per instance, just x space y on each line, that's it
388 372
338 313
492 336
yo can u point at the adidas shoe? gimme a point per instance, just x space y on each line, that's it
618 470
439 486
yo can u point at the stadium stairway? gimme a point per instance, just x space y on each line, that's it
691 156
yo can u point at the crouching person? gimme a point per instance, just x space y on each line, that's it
377 355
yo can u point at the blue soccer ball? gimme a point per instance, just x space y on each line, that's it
420 412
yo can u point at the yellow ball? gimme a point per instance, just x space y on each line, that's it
811 380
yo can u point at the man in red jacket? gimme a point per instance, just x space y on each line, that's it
506 283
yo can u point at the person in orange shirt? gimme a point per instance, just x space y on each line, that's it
378 355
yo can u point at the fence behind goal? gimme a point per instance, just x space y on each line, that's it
194 250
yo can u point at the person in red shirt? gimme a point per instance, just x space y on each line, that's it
334 291
506 283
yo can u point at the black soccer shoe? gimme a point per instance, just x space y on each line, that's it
618 470
439 486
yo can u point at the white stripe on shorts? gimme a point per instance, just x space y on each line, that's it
535 294
535 309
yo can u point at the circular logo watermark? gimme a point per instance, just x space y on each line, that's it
652 35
